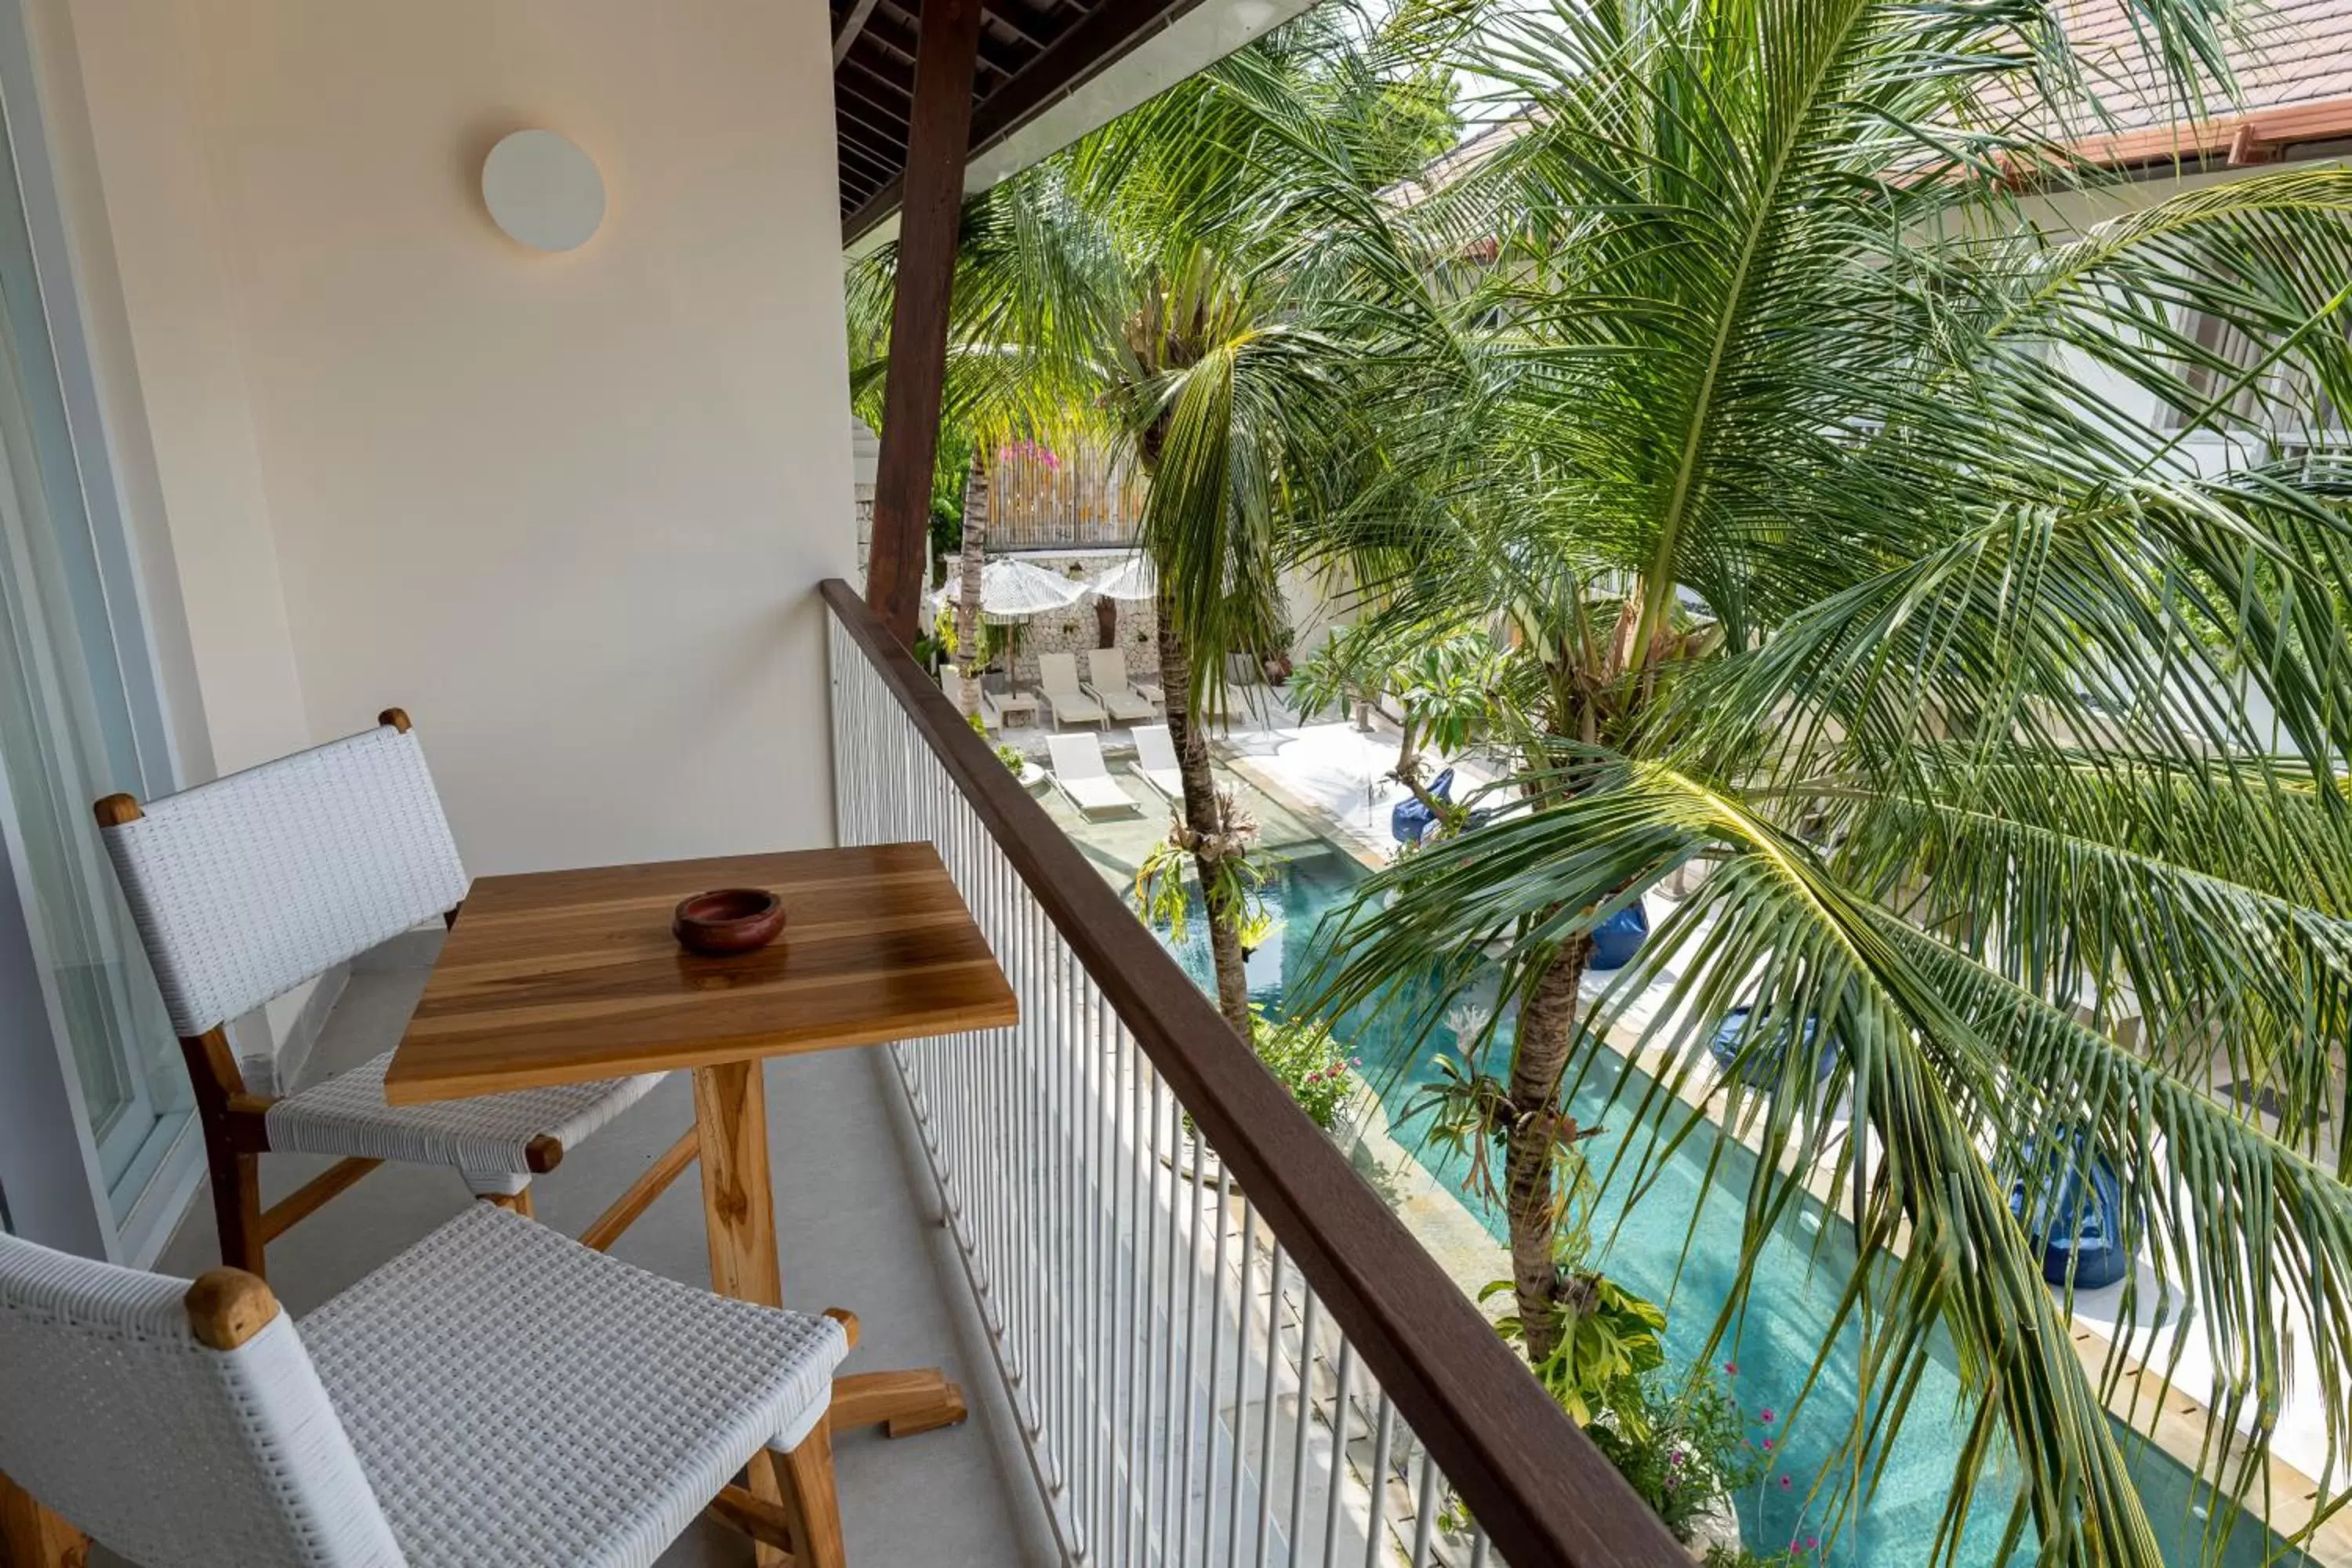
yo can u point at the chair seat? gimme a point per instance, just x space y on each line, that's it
516 1398
484 1136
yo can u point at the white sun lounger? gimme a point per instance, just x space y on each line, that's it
1107 672
988 711
1080 774
1155 755
1057 682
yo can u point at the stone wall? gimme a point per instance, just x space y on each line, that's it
1074 629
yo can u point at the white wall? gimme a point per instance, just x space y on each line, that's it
565 508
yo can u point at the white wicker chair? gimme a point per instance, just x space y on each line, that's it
496 1393
242 888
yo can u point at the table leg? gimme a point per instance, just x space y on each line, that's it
739 1216
738 1204
738 1219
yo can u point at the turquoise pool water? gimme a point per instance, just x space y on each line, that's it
1791 1301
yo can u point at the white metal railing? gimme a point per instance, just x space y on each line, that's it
1182 1395
1185 1395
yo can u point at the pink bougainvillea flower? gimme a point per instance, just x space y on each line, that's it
1767 1445
1784 1483
1811 1542
1764 1415
1731 1369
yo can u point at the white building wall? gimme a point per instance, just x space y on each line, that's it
568 509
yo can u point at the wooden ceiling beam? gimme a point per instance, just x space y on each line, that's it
1076 52
844 36
904 40
884 117
875 66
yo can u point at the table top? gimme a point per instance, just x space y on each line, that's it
563 976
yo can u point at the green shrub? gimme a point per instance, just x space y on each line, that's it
1609 1339
1305 1060
1681 1442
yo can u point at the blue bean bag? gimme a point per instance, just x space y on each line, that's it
2070 1202
1616 939
1763 1065
1410 819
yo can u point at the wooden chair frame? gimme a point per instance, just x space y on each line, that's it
236 1134
228 1306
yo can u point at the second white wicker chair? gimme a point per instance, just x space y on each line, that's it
496 1393
242 888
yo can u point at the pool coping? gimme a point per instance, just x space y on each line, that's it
2181 1421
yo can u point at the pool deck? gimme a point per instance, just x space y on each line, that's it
1332 778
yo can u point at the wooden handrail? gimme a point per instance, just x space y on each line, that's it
1534 1482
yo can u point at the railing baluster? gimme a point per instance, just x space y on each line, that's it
1384 1427
1425 1510
1074 1195
1247 1300
1272 1397
1335 1481
1307 1326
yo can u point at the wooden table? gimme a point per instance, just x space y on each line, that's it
567 976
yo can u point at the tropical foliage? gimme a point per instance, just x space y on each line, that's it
1142 288
1306 1059
1752 398
1778 432
1683 1443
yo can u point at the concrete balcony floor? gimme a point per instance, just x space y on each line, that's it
853 1222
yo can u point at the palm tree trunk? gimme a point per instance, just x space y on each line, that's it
1531 1179
1205 819
975 544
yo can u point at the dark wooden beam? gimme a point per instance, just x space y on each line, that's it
950 46
851 25
862 131
868 62
1076 53
903 41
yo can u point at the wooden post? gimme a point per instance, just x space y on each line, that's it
33 1537
947 43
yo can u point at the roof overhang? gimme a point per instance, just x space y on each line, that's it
2262 136
1051 72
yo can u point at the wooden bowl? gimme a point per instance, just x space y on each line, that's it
728 921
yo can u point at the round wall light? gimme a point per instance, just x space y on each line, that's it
543 191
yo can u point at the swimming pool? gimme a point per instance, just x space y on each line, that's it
1792 1298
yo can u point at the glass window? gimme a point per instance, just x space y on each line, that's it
68 736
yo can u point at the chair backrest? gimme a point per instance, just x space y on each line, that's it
120 1417
1078 756
245 887
1108 666
951 685
1058 672
1153 746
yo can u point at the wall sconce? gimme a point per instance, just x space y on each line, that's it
543 191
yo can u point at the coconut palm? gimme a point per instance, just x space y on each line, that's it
1145 290
1776 433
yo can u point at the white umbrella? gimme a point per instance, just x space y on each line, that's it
1013 590
1133 578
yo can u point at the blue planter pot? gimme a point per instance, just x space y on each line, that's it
1616 939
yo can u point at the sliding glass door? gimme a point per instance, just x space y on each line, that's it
78 719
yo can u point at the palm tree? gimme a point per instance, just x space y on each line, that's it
1775 425
1147 290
